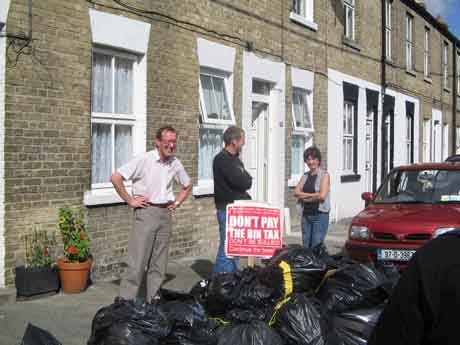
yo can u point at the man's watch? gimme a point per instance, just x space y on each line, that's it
176 203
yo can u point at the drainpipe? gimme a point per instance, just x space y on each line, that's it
454 98
383 80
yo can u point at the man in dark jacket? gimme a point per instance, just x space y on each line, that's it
425 306
231 182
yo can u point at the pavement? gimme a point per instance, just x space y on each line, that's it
69 317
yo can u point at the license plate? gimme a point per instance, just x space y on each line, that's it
394 254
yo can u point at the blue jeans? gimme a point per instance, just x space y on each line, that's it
314 229
223 262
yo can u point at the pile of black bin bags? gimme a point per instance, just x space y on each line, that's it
300 297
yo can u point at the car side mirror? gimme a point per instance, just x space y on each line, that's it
367 196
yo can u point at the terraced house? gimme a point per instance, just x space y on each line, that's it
84 84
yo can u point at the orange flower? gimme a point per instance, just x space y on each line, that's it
82 236
72 250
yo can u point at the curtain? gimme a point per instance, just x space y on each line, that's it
123 145
215 98
210 144
102 83
298 146
123 86
101 153
301 114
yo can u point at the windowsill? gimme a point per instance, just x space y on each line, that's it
303 21
106 196
428 80
350 178
350 43
446 89
202 190
411 72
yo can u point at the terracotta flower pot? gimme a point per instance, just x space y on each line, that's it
73 276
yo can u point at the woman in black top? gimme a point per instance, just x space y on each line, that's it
312 192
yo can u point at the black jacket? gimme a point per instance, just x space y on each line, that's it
231 180
425 306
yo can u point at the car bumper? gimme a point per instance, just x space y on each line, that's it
367 251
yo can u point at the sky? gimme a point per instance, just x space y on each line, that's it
449 10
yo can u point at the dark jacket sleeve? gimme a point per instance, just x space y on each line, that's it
236 175
403 320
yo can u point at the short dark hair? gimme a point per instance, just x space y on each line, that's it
313 152
232 133
161 130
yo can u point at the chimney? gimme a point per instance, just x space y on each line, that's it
421 3
442 22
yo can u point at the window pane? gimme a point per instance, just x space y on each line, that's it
101 152
260 87
102 83
123 145
301 111
298 145
210 144
215 97
123 86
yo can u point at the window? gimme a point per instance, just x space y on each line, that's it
216 114
389 6
426 54
457 141
445 65
302 13
348 136
426 140
409 42
349 13
303 126
458 73
112 113
409 138
445 141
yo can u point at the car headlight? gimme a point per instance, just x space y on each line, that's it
359 232
440 231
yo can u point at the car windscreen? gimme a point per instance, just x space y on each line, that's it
420 186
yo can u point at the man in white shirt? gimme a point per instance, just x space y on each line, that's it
153 201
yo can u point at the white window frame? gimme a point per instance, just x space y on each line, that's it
349 7
306 19
445 65
408 138
348 134
427 141
113 118
388 28
409 42
121 34
305 132
445 141
225 77
426 54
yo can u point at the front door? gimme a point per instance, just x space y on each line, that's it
258 140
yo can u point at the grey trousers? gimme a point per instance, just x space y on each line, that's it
148 248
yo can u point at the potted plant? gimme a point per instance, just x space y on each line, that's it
39 274
75 265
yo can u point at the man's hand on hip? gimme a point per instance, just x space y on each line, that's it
138 202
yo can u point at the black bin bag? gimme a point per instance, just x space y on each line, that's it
37 336
129 322
354 327
190 324
354 286
299 322
252 333
295 269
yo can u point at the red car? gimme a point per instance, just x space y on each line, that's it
413 205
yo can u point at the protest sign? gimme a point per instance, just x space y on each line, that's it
253 229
